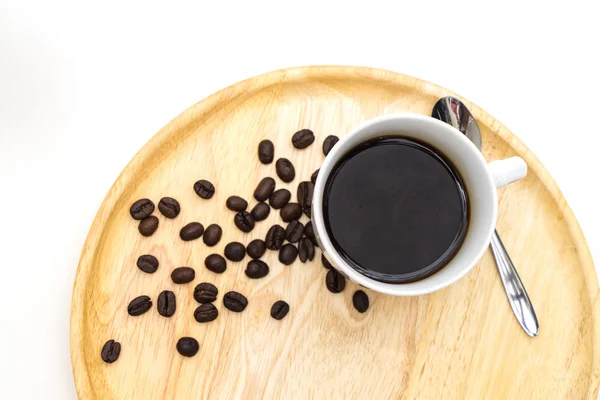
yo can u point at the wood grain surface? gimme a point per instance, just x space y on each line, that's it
459 343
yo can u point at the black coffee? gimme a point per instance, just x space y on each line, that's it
395 209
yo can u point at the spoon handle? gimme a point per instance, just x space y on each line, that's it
517 295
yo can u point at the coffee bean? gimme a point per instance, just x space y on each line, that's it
329 142
187 346
303 138
265 189
212 235
257 269
261 211
166 303
279 309
326 262
285 170
290 212
275 237
280 198
205 293
215 263
306 250
169 207
266 151
288 254
244 221
236 203
313 177
235 301
206 313
147 263
204 189
360 300
110 351
141 209
293 232
308 231
235 251
191 231
148 226
256 248
139 305
305 196
335 281
183 275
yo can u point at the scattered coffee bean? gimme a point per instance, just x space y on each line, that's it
187 346
279 309
308 231
303 138
280 198
288 254
261 211
290 212
166 303
256 249
313 177
204 189
212 235
329 142
305 196
147 263
235 301
285 170
236 203
335 281
265 189
275 237
141 209
257 269
306 250
183 275
293 232
139 305
215 263
191 231
148 226
205 293
244 221
235 251
169 207
206 313
360 300
326 262
266 151
110 351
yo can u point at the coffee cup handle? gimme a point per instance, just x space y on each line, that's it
507 171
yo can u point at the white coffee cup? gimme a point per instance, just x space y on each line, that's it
480 180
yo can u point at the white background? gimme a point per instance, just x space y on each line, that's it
84 85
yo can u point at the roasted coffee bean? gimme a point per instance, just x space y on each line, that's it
326 262
313 177
257 269
279 309
212 235
139 305
360 300
275 237
141 209
335 281
261 211
166 303
183 275
308 231
285 170
280 198
187 346
303 138
191 231
215 263
206 313
288 254
265 189
235 251
110 351
266 151
204 189
205 293
306 250
169 207
244 221
147 263
329 142
293 232
305 196
235 301
256 249
290 212
148 226
236 203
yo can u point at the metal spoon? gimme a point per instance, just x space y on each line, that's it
453 112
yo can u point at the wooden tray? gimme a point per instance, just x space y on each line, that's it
461 342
